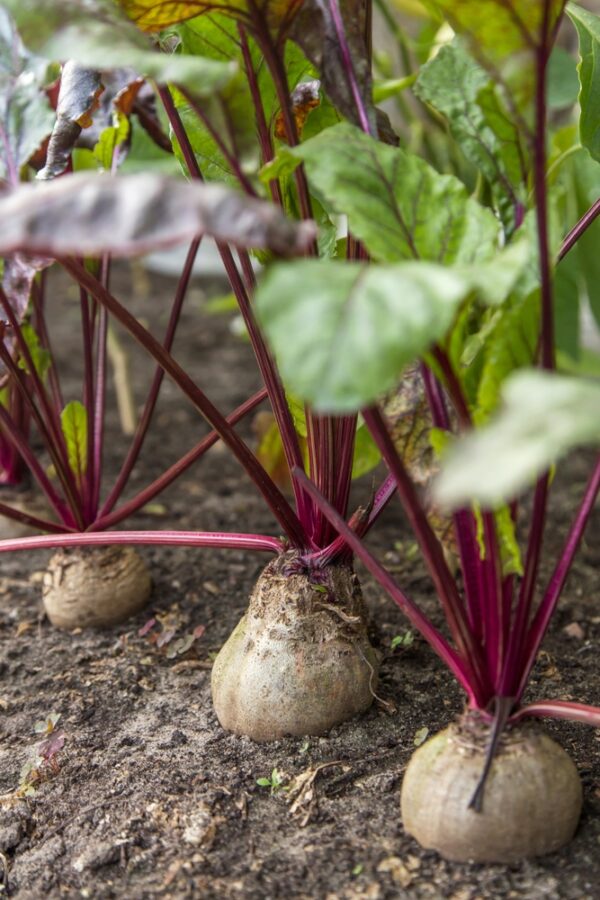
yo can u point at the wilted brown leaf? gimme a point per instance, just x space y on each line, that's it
302 792
304 98
80 89
88 215
407 413
315 30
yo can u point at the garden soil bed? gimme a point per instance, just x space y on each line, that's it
149 797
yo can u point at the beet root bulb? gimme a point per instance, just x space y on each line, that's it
299 661
96 587
531 802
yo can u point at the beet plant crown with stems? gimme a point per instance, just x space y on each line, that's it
269 48
342 334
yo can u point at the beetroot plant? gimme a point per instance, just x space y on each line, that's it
97 217
471 286
57 217
300 661
406 265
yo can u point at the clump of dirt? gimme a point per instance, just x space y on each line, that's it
149 797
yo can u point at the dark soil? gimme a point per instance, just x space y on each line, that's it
149 797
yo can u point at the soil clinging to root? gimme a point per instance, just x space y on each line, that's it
299 660
529 805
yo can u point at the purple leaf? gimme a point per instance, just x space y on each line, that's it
333 40
52 745
164 638
147 627
88 215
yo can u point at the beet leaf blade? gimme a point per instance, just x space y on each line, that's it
88 215
396 203
343 332
544 416
588 29
95 34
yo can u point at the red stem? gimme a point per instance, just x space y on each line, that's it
88 388
97 431
150 405
228 155
44 427
163 481
266 365
464 524
37 299
153 538
338 548
579 228
560 709
547 361
551 597
264 135
20 442
34 521
431 550
350 72
458 666
278 74
271 493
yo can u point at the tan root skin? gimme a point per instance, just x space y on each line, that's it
531 805
97 587
299 661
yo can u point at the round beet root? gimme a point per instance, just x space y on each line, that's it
95 587
531 802
299 661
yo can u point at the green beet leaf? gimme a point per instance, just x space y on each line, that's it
40 357
227 125
510 345
562 80
97 35
499 28
455 85
588 29
366 452
74 424
584 257
343 332
544 415
25 113
504 36
110 140
396 204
